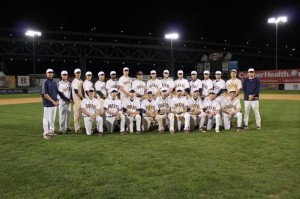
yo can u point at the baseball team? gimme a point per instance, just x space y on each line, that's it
136 105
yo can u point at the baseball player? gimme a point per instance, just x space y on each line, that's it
49 95
131 108
164 111
207 85
251 87
113 112
87 84
179 107
195 108
211 112
112 83
154 84
64 105
219 86
90 108
234 83
77 95
149 108
167 82
124 84
195 83
231 107
182 83
139 85
100 88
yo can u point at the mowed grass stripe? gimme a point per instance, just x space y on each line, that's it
256 164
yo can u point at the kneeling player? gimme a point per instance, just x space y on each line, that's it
150 108
131 107
90 108
195 108
179 106
231 107
164 111
211 113
113 112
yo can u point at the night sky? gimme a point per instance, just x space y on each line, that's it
215 21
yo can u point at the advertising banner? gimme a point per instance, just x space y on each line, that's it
23 81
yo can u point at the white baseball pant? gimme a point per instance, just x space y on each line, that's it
64 115
77 114
110 123
227 120
129 122
49 119
215 118
186 119
89 124
161 119
255 106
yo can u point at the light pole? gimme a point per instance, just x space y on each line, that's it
276 21
32 33
172 36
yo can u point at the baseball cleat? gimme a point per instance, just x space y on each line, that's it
172 132
258 127
239 129
203 129
245 127
217 131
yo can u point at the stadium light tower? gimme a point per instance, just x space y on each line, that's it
32 33
172 36
276 21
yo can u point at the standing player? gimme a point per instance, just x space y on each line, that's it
131 108
167 82
231 107
207 85
149 108
124 84
90 108
219 86
182 83
139 86
195 83
100 88
64 105
77 95
195 108
251 87
112 83
179 107
154 84
113 112
211 112
164 111
234 83
87 84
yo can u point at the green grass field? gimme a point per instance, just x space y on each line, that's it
254 164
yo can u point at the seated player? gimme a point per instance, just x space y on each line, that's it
149 108
131 108
179 106
231 107
90 108
211 113
164 113
195 108
113 112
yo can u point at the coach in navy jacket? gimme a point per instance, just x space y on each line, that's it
251 87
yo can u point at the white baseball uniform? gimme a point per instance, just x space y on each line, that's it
195 105
115 106
211 105
139 86
207 84
125 82
110 84
178 105
149 107
164 106
77 85
154 85
195 84
86 86
182 83
91 106
218 85
132 106
234 84
101 86
64 107
231 106
168 83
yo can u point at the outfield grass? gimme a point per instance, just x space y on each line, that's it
255 164
10 96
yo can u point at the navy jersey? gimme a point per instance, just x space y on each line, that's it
49 87
251 87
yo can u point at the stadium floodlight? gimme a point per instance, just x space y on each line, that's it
32 33
276 21
172 36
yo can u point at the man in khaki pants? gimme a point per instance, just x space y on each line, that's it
77 94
